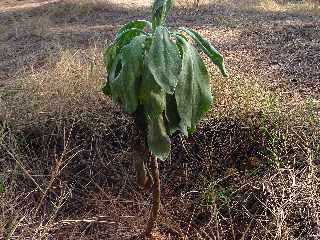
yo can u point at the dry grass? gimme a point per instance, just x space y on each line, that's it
69 79
306 6
251 171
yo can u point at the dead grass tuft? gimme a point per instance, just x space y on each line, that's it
69 84
307 7
76 9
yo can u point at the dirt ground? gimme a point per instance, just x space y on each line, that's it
277 41
250 172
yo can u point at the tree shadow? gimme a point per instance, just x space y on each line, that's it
98 176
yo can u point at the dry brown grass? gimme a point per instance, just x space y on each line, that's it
251 171
306 7
69 79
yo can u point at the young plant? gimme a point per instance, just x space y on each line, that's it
154 72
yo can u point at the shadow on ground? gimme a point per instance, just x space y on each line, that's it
91 170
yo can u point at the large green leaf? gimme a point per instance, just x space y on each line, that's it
158 140
137 24
152 96
121 40
160 11
208 49
163 60
125 37
192 94
108 58
125 85
109 55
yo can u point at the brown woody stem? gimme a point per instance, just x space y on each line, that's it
155 196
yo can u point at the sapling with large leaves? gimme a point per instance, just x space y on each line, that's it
157 75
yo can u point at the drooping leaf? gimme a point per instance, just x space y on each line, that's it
160 11
123 38
125 85
126 37
192 94
163 60
137 24
158 139
151 95
109 56
172 116
115 68
208 49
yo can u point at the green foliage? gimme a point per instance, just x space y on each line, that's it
217 194
124 84
160 12
2 186
192 93
163 60
7 92
224 194
158 139
155 67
